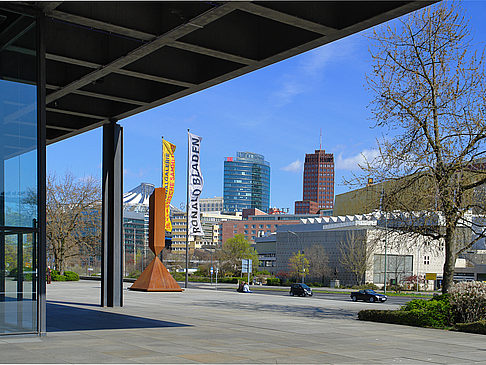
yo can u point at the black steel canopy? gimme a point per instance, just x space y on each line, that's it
109 60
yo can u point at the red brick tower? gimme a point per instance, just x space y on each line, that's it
318 191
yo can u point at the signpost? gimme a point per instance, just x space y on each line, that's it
246 267
211 275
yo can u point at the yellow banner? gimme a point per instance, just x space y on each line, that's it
168 178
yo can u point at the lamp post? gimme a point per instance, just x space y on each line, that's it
302 251
386 233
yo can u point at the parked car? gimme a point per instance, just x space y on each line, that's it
301 290
368 295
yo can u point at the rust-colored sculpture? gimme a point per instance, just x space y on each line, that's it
156 277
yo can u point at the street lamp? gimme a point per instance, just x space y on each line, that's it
302 251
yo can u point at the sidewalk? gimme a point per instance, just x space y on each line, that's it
205 326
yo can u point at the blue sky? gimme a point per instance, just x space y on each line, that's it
277 111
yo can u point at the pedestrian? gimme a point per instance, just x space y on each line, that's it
246 288
48 276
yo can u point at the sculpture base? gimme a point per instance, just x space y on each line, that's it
156 278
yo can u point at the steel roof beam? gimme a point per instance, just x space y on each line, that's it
325 39
97 24
47 6
284 18
60 128
139 35
73 61
77 114
101 96
14 31
144 50
211 52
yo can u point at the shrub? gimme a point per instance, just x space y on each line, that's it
273 281
26 277
437 311
474 327
55 272
58 278
468 301
134 274
71 276
231 280
263 272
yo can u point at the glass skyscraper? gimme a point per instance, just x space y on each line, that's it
246 182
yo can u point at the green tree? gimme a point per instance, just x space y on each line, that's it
233 251
299 265
429 89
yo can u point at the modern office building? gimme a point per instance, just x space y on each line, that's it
344 235
246 182
259 224
67 68
318 188
211 204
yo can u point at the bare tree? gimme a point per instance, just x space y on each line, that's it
356 255
73 217
429 91
318 262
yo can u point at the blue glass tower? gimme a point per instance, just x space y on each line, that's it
246 182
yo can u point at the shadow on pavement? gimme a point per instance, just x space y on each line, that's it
294 310
62 317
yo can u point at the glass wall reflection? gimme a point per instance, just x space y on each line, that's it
18 175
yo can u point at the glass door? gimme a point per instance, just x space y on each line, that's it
18 174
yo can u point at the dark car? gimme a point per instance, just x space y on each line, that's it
301 290
368 295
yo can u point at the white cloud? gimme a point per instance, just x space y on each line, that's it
295 166
353 162
309 71
287 91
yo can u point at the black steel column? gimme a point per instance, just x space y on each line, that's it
41 175
112 216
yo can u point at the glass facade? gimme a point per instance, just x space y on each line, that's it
246 182
18 175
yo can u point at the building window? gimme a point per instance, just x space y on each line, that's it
426 260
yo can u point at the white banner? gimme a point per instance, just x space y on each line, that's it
195 186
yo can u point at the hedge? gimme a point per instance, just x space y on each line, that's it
414 317
478 327
273 281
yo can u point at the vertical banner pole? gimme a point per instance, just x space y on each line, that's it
187 214
162 185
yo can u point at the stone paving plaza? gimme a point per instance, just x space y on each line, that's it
208 326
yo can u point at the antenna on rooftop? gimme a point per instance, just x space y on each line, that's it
320 140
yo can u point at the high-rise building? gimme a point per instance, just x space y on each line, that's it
318 190
246 182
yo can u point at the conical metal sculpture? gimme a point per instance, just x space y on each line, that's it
156 277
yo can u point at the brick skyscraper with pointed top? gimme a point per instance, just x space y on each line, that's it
318 190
